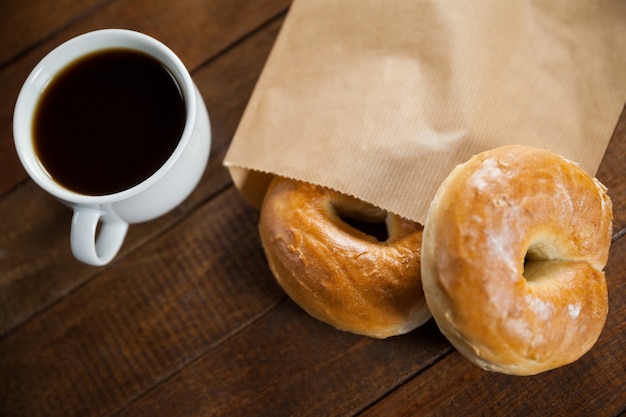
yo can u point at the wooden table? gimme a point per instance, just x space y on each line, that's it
188 320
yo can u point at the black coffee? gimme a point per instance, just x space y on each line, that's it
108 121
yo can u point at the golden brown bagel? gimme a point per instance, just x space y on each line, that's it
337 273
514 247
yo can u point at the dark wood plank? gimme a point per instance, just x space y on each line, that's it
36 266
591 386
210 27
136 325
25 23
611 173
289 364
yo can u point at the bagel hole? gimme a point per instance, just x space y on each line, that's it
372 224
538 257
531 269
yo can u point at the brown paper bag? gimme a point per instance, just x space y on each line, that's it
381 99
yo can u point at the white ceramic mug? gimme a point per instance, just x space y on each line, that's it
99 223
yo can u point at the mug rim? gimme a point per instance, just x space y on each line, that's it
34 85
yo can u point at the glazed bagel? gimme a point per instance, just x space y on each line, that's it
335 271
514 247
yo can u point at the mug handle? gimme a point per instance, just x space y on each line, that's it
89 248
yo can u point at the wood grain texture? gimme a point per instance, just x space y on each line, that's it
612 173
27 23
330 373
135 325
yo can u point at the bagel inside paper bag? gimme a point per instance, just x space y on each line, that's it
380 100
